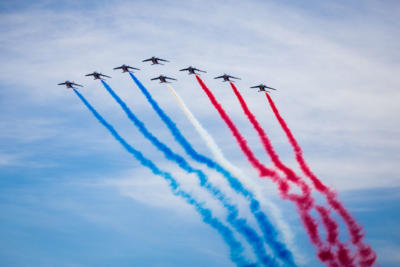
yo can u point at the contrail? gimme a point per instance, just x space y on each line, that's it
238 223
330 225
267 228
221 159
366 254
235 247
303 203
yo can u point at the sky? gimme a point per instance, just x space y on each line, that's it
71 196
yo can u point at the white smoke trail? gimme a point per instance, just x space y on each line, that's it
220 158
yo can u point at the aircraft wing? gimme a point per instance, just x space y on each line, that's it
201 71
91 74
62 83
105 75
257 86
160 59
77 84
129 67
270 88
149 59
234 77
170 78
155 79
117 68
184 69
219 77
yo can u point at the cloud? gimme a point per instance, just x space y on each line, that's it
336 69
388 253
7 159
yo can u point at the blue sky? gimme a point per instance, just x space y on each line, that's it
71 196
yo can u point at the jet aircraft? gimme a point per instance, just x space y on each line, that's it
263 88
227 78
69 84
155 60
192 70
97 75
163 79
125 68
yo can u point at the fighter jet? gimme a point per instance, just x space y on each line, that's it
155 60
163 79
125 68
262 88
226 78
97 75
192 70
69 84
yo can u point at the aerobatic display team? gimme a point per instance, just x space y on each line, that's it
320 220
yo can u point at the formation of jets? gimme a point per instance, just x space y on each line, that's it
162 78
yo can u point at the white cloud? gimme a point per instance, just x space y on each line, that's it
7 159
337 78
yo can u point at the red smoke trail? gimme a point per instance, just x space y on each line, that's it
303 203
343 253
270 149
263 171
265 140
333 234
330 225
240 139
365 252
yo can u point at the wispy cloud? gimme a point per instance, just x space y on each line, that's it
335 64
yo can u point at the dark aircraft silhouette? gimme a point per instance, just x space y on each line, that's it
155 60
262 88
125 68
226 78
97 75
192 70
69 84
163 79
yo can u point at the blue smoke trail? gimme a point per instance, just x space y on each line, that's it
269 232
235 247
240 224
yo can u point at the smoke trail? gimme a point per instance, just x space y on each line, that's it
239 224
343 253
269 148
264 139
219 156
333 234
303 203
267 228
236 248
366 254
330 225
241 141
